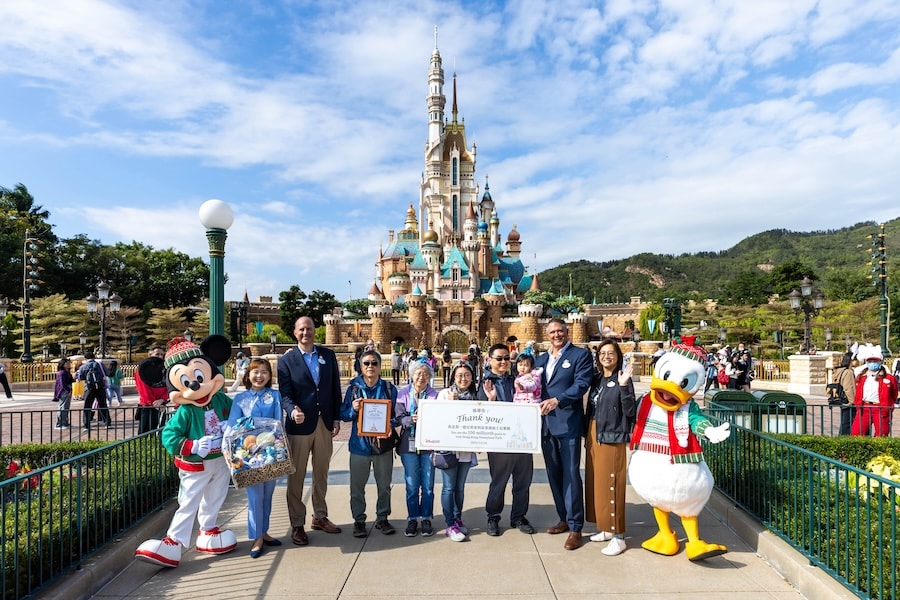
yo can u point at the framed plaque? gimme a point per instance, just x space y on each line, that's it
374 417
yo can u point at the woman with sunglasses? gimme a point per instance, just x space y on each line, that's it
369 454
610 413
454 478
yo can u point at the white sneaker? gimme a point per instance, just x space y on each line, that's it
601 536
616 546
455 534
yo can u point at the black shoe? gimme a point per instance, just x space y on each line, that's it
359 530
524 526
427 529
412 528
385 526
493 527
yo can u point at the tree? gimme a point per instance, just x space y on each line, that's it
317 305
787 276
750 286
165 324
358 306
290 306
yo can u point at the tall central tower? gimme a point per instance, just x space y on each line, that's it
448 183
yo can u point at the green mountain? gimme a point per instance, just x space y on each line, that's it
839 261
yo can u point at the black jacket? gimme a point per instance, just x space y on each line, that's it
613 407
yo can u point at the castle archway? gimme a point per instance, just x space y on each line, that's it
457 339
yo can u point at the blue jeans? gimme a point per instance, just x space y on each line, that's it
453 491
418 472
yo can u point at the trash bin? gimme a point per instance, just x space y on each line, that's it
737 406
781 412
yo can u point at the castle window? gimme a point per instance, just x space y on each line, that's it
455 171
454 274
456 294
455 213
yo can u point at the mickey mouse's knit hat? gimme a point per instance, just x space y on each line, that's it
690 349
179 350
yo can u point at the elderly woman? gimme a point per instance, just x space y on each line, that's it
454 478
418 470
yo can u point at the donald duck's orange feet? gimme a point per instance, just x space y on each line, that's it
664 543
700 550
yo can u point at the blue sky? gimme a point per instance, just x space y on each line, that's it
605 128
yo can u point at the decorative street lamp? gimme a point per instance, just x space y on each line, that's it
828 339
273 337
3 332
217 217
45 352
97 307
723 335
63 346
879 278
188 335
810 303
848 340
30 283
82 339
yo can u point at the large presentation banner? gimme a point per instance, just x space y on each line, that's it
478 426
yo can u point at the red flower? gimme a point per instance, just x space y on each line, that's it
12 470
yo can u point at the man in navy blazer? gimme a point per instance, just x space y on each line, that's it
310 384
567 375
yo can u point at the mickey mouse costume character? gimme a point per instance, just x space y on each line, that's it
193 435
667 467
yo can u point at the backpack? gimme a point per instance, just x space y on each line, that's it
92 377
836 394
723 377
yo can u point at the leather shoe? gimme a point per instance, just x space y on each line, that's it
299 537
325 525
573 542
560 527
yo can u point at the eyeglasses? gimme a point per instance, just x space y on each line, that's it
606 354
370 363
500 358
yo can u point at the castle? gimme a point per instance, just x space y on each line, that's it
448 266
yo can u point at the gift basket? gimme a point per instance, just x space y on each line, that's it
257 451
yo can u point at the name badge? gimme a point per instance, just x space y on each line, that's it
566 364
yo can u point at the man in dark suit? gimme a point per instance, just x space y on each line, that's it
310 385
567 375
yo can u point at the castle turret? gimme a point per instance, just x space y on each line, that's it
578 328
381 330
530 313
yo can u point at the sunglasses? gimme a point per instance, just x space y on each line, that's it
500 358
370 363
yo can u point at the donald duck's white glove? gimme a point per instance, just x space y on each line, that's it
718 434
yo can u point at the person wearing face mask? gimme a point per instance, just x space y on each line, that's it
876 390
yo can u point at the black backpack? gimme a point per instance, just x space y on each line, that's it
93 379
836 394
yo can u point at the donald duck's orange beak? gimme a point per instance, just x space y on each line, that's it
668 395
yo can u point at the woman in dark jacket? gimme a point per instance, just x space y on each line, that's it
611 409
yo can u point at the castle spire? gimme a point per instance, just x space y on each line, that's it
454 110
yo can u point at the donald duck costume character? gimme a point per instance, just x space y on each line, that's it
193 435
667 467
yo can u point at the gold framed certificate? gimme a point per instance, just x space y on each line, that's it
374 417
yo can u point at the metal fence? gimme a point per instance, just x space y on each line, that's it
54 517
38 426
843 519
811 419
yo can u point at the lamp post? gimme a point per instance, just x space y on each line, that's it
132 340
828 339
30 283
879 270
217 217
273 338
3 332
723 335
45 352
188 334
97 307
82 339
848 340
809 302
63 346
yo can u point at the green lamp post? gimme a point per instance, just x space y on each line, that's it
217 217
